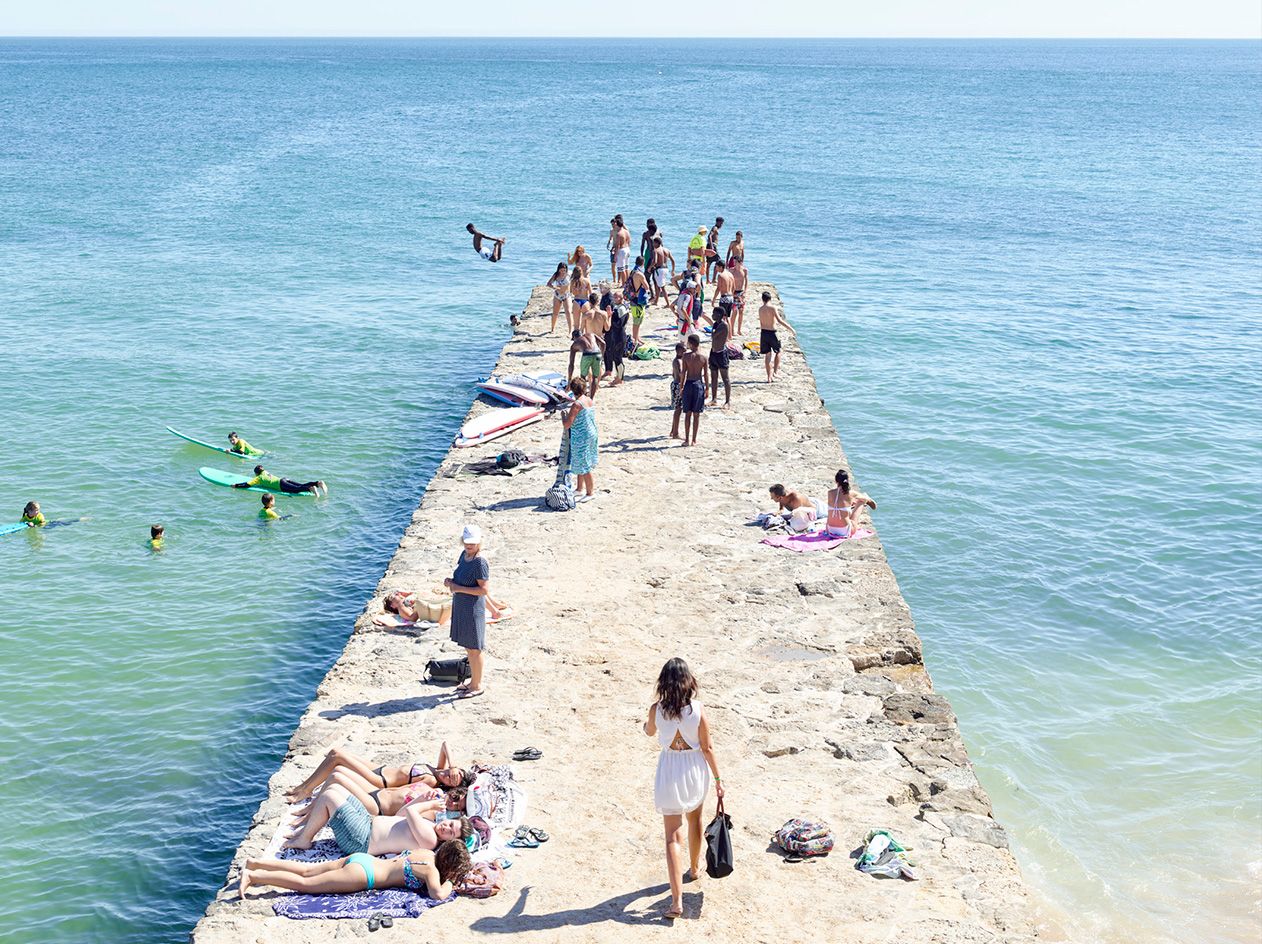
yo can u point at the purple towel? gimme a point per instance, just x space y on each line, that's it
814 540
394 902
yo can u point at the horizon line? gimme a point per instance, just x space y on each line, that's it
623 38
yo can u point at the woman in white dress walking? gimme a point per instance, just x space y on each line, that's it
684 767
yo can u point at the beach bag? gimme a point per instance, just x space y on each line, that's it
447 671
734 352
484 880
718 845
804 838
481 830
560 494
511 459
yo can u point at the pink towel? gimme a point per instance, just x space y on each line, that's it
814 541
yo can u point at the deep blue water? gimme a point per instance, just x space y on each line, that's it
1026 274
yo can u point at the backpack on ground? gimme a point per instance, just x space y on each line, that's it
447 671
804 838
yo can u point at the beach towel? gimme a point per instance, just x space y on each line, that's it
813 540
394 902
389 620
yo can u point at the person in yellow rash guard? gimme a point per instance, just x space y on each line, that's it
156 533
241 447
696 247
32 517
264 479
268 512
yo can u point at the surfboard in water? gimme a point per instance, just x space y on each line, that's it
220 477
11 528
206 445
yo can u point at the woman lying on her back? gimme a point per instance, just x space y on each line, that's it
390 801
443 775
406 606
431 872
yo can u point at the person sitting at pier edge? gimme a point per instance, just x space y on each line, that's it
443 773
357 830
433 873
469 587
799 510
843 505
264 479
491 253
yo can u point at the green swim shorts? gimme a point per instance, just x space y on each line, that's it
590 364
637 314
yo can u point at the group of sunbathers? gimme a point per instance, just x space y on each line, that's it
418 812
841 511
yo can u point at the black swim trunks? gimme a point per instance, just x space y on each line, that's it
693 399
768 342
719 360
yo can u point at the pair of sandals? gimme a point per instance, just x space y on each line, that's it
528 837
527 753
798 857
379 921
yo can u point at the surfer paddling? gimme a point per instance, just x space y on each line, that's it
241 447
490 248
275 483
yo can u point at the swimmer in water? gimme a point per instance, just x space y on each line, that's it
491 252
268 512
156 534
264 479
32 517
241 447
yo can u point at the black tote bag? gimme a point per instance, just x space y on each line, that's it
718 839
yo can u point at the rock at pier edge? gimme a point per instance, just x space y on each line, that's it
810 670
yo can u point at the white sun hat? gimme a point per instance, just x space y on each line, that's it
472 534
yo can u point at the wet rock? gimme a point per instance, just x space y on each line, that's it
918 708
981 829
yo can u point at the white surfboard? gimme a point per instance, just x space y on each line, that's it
496 423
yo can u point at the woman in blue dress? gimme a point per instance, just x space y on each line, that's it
469 593
580 420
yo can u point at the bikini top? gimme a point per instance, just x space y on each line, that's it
838 508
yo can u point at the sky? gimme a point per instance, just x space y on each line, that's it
1239 19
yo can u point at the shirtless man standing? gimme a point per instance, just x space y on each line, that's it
740 281
712 256
490 253
725 285
661 255
621 250
646 240
636 289
719 359
695 372
769 341
592 328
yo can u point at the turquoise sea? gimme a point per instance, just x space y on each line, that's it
1027 275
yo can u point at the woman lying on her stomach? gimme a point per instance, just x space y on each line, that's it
430 872
357 830
444 775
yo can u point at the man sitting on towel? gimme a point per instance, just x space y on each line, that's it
799 511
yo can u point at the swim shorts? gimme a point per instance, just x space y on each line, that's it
693 399
623 257
352 826
768 342
637 314
675 402
659 276
590 364
719 360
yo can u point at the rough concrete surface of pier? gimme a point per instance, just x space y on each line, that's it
809 665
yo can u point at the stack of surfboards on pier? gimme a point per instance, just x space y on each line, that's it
530 397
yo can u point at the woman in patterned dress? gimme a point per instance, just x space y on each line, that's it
580 420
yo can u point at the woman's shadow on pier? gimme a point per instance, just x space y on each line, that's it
392 706
617 909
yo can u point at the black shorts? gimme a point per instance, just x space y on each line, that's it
693 396
768 342
719 360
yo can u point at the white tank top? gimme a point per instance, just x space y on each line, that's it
687 725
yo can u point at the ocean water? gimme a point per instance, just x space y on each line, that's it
1027 275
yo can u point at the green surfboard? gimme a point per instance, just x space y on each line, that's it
206 445
220 477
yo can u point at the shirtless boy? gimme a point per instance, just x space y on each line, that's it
695 373
769 342
740 281
719 360
492 252
725 285
621 250
661 256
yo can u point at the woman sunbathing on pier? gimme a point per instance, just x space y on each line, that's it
357 830
390 801
431 872
443 775
407 607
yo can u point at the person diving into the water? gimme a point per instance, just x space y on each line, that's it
488 247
